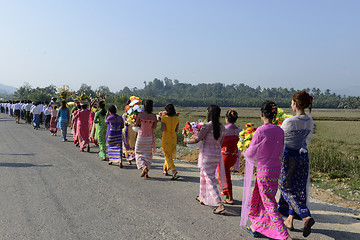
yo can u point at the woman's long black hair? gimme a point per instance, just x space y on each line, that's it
148 106
214 116
170 110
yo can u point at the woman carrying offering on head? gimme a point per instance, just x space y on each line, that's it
100 130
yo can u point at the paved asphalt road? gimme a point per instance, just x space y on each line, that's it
51 190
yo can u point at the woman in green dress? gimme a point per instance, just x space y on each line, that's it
100 132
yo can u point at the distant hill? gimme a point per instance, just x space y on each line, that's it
7 89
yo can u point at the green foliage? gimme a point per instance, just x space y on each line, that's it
200 95
235 95
26 92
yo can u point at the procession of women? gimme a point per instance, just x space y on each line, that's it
277 153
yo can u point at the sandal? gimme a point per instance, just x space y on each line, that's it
120 165
307 227
252 233
175 176
215 211
110 163
198 199
165 173
227 201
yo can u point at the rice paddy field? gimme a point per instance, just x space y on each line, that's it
334 150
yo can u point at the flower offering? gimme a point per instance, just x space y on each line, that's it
132 109
246 136
64 92
160 115
191 129
280 117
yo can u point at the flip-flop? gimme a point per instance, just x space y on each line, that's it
218 212
198 199
252 233
226 202
175 176
290 228
307 227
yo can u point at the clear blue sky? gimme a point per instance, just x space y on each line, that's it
269 43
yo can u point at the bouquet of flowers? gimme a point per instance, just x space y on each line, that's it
80 96
191 130
132 109
246 136
160 115
280 117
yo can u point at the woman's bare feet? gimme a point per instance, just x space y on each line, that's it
228 200
289 223
144 172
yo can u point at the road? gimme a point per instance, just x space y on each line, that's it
51 190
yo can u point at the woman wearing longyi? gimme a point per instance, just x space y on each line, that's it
212 136
264 152
145 141
295 177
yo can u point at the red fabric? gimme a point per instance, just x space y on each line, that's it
230 154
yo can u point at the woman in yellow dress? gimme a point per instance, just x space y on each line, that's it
169 127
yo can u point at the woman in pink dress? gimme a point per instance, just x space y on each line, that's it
53 120
82 131
212 135
145 141
264 152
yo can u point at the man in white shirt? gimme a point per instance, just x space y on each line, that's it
27 112
47 114
35 110
16 110
41 107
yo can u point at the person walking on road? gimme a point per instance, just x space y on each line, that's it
169 127
264 153
230 152
63 117
295 171
114 136
100 130
82 118
145 141
212 135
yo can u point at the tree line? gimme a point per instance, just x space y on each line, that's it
198 95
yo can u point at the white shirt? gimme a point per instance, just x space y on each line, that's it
16 106
35 110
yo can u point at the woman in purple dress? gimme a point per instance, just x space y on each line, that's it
114 136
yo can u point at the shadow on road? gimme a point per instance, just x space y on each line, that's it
335 234
22 165
18 154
